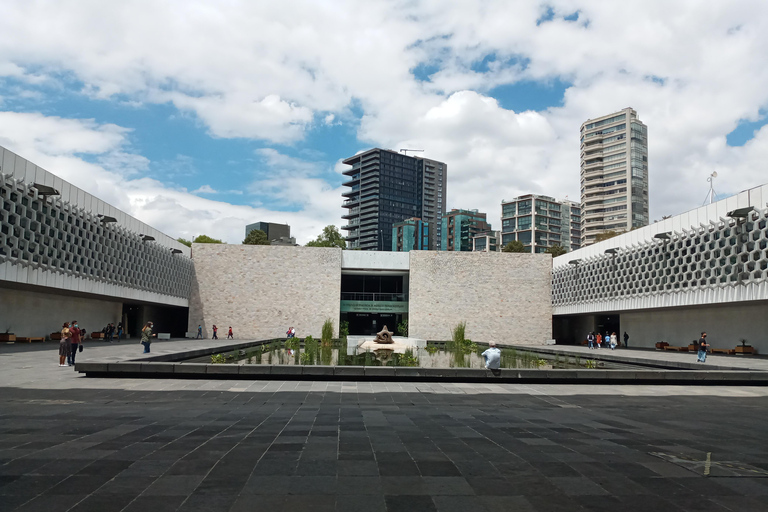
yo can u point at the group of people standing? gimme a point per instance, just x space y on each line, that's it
230 334
610 340
111 330
71 343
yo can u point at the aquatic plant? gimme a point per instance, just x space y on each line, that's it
218 359
326 335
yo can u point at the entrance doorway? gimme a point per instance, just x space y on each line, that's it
608 324
371 323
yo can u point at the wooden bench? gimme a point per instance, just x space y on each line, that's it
745 349
678 349
728 351
25 339
661 344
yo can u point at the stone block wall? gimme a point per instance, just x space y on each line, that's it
503 297
261 290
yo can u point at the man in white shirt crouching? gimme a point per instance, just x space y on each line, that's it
492 357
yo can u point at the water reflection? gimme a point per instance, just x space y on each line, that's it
432 355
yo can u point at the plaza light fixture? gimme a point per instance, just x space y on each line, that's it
147 238
175 251
44 190
612 251
106 219
741 214
666 235
574 262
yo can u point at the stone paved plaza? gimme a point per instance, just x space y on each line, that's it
71 443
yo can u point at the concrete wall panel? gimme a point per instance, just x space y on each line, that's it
503 297
28 313
262 290
725 324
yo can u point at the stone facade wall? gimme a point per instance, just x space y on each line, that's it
503 297
261 290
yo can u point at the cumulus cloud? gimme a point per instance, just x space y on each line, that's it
172 210
274 72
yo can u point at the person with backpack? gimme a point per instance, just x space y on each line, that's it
591 340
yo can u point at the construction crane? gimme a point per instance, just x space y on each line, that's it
405 151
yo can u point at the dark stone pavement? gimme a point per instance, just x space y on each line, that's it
107 450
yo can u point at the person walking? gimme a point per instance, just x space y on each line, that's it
614 341
230 335
75 340
199 332
599 340
215 330
703 346
146 336
591 340
119 331
110 332
64 347
626 339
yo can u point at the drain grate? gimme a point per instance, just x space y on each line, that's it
706 465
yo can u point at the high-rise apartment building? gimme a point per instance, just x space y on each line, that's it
540 222
460 227
614 174
277 234
385 188
411 235
571 226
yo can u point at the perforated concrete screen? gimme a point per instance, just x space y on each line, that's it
720 260
55 236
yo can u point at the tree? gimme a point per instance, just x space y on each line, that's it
514 246
256 237
205 239
184 241
330 237
606 235
556 250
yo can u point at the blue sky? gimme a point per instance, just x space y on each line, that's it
238 112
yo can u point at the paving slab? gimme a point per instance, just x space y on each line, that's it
73 443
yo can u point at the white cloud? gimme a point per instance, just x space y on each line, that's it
273 71
61 146
205 189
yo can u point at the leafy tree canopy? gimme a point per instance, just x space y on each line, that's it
556 250
514 246
205 239
330 237
607 234
184 241
256 237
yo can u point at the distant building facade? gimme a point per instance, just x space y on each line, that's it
490 241
386 187
411 234
460 227
540 222
277 234
614 174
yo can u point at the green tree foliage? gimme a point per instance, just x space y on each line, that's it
514 246
256 237
606 235
184 241
205 239
330 237
556 250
